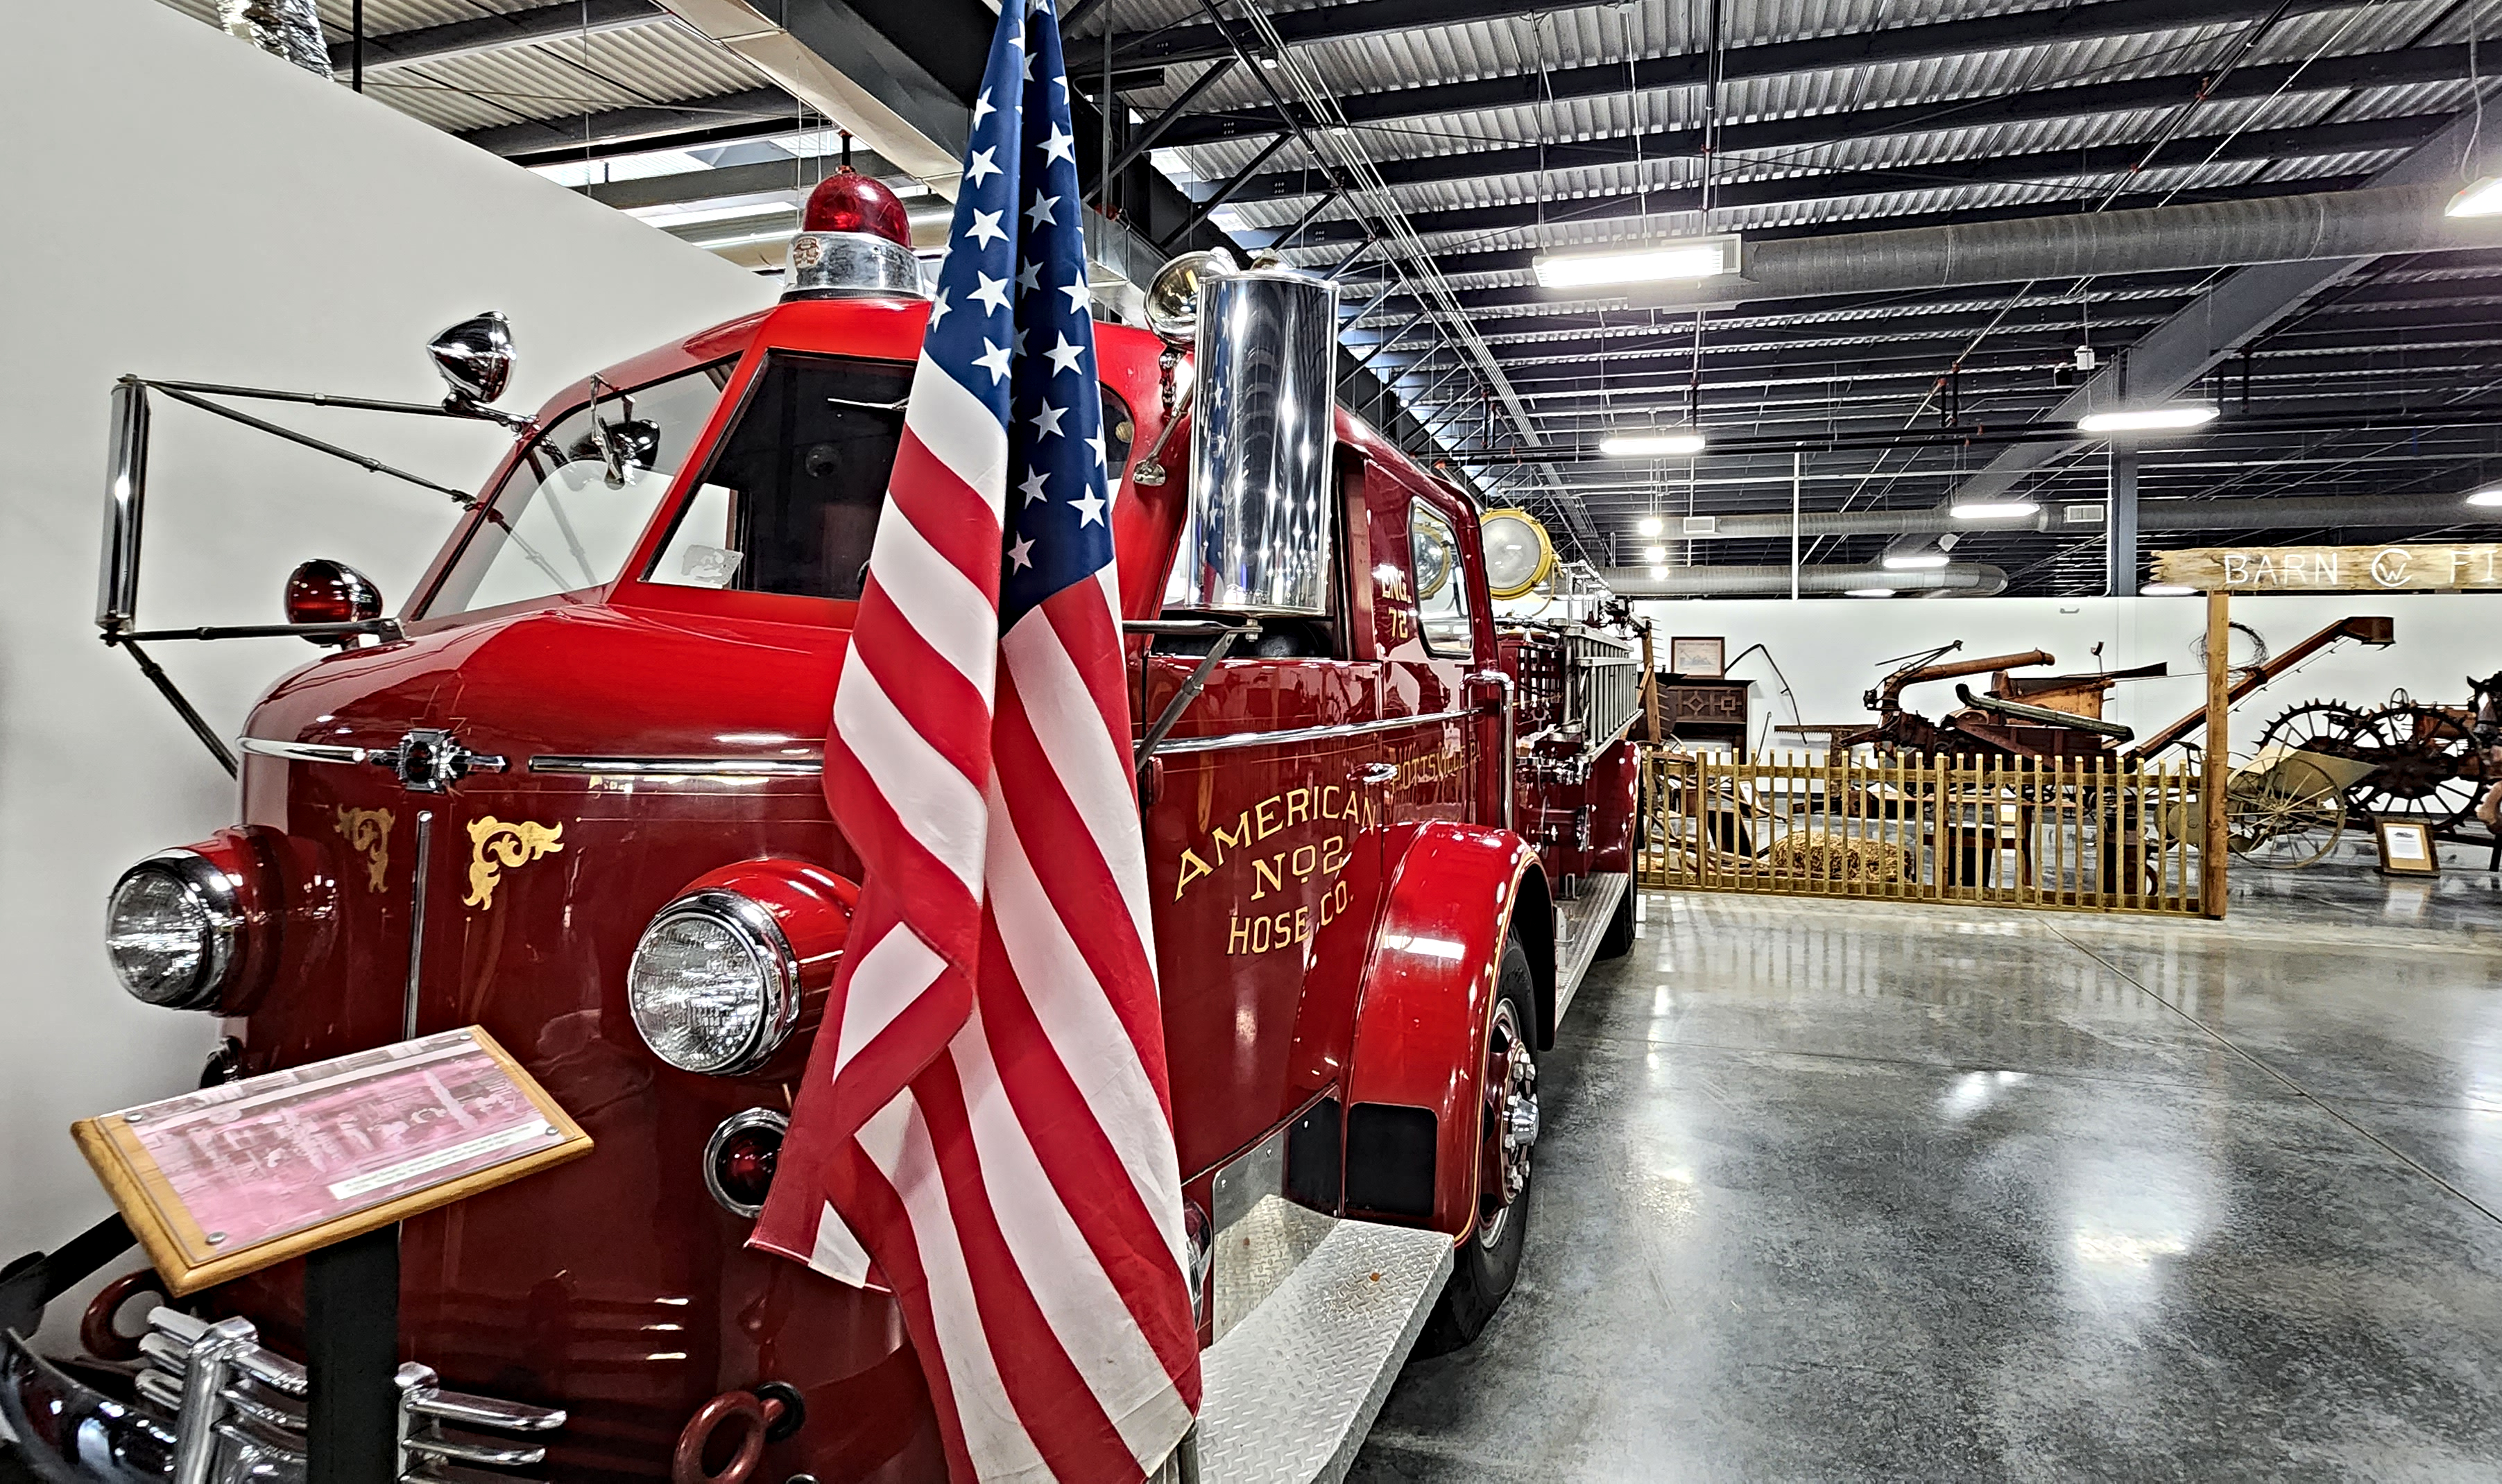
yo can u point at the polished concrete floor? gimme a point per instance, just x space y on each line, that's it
1835 1191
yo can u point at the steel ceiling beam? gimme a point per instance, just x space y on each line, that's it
1863 48
701 120
2380 69
1329 22
2309 141
459 38
2211 327
1519 259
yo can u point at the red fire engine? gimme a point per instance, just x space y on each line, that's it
571 795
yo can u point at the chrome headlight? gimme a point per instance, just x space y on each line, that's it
170 928
714 986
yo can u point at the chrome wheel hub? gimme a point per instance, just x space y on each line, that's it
1510 1123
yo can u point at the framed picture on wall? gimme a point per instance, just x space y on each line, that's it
1700 659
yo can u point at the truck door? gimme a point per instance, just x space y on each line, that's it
1428 596
1262 852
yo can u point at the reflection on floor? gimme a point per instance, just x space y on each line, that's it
1838 1191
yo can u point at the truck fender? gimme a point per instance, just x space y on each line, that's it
1616 780
1420 1032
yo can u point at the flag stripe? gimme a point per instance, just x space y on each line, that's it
1087 1311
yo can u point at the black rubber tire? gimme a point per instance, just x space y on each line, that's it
1618 940
1481 1276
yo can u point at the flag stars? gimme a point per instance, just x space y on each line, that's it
1030 277
1022 553
1060 144
1102 461
1066 355
982 165
1090 509
993 359
1079 295
1032 487
983 108
1046 422
1040 212
992 292
939 308
986 227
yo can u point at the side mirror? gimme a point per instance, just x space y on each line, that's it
325 592
475 358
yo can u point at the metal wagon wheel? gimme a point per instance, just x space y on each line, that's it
2321 726
2426 764
2279 819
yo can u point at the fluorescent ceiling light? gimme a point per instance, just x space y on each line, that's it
1868 593
1652 526
1692 257
2167 589
2138 419
675 215
1654 554
1659 574
2491 494
1915 560
2481 199
1994 510
1649 444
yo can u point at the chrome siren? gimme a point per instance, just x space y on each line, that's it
1262 514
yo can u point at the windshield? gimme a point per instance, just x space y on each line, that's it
569 513
790 501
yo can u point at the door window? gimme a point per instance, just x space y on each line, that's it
1441 583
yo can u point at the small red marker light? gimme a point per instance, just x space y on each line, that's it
322 591
847 201
741 1156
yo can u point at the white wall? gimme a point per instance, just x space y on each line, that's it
1831 648
180 205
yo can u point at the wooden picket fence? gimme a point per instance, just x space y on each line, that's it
2093 835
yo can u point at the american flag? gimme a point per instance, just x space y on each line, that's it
985 1126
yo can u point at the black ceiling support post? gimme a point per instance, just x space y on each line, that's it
2119 523
1145 139
1223 192
356 45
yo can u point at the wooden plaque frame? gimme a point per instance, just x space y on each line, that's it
181 1250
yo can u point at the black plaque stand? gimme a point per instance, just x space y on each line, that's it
350 1354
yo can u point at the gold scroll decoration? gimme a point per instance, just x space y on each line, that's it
368 831
2419 567
495 846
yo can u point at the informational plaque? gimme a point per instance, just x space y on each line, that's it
234 1178
2450 567
2407 849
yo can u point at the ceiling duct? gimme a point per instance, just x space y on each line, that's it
1967 579
2360 513
2216 234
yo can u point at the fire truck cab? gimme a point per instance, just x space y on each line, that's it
1386 832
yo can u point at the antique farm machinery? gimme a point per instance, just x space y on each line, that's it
2432 763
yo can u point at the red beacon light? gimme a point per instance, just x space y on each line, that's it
854 241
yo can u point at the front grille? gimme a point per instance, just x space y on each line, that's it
236 1410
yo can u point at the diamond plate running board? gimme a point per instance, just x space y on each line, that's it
1289 1393
1579 925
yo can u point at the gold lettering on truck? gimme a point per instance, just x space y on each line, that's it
495 846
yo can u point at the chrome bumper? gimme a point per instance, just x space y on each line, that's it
211 1405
